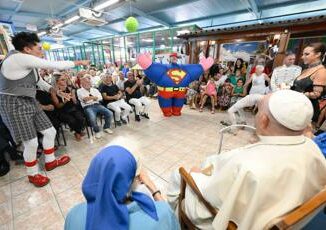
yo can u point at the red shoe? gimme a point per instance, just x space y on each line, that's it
176 111
38 180
57 162
167 112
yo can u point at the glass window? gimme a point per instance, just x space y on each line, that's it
146 42
131 44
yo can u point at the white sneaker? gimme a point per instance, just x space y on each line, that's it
109 131
98 135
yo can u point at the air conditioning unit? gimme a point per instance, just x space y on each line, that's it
91 17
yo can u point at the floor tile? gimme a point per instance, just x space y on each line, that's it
41 217
165 145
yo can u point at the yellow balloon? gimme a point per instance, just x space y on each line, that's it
46 46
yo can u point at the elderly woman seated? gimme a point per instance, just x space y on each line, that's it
64 100
120 195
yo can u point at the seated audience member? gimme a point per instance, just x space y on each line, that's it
80 74
254 184
44 73
126 199
210 91
214 68
121 82
224 98
45 100
95 78
134 96
8 145
65 102
192 92
237 92
258 81
235 77
241 66
283 76
113 99
90 101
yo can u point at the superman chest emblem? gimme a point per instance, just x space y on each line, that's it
176 75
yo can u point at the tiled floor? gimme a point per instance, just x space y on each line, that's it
164 143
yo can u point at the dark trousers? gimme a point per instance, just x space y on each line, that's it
75 119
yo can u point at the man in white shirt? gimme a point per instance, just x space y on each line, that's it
121 82
19 109
90 101
254 184
283 76
95 78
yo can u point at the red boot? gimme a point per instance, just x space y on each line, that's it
38 180
57 162
167 112
176 111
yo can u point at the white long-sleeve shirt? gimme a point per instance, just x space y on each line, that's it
82 93
18 65
283 77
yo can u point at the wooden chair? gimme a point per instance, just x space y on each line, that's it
185 222
302 215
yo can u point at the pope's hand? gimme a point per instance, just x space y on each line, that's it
144 60
206 63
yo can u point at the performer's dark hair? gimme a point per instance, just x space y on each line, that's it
24 39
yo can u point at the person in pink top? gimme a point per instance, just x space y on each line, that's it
210 91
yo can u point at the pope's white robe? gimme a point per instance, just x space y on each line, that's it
254 184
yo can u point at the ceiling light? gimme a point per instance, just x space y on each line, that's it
72 19
182 32
105 4
40 34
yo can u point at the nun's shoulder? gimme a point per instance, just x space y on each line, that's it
163 208
76 217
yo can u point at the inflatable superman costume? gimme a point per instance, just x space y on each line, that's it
172 80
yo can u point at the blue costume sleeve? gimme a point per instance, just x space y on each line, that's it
155 71
320 140
194 71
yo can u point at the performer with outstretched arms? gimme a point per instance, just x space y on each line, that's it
19 109
172 80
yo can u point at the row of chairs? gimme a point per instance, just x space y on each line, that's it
89 130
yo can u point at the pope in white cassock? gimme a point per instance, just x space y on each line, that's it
254 184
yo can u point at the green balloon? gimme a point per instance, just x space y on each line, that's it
131 24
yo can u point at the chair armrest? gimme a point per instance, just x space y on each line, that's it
187 178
